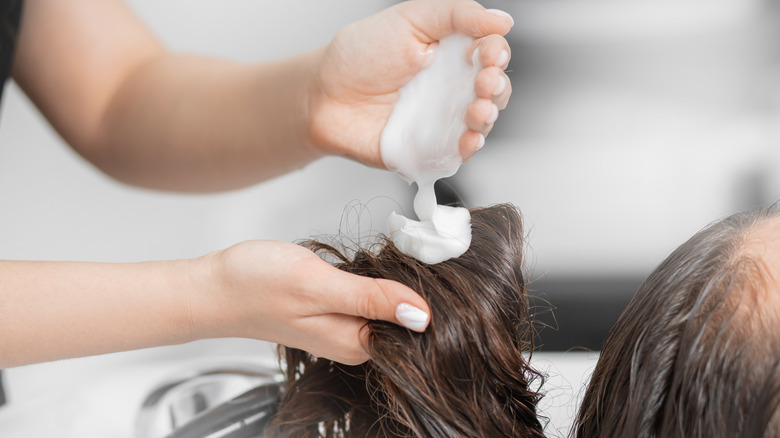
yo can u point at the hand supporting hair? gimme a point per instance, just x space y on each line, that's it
466 376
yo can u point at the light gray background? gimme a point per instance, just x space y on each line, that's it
630 128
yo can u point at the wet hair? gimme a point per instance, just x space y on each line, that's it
467 376
696 353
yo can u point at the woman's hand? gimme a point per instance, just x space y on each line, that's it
157 119
361 71
284 293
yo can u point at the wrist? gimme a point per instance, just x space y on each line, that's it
203 306
345 109
313 102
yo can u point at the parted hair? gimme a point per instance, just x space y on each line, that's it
468 375
696 353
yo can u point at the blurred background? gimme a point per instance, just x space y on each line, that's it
632 125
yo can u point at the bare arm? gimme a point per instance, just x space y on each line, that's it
57 310
191 123
155 119
274 291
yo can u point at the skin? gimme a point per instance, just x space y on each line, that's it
763 244
156 119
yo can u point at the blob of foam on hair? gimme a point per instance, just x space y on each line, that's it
421 143
465 376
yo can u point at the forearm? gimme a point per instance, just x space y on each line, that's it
57 310
152 118
193 123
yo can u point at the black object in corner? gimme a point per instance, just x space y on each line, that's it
2 393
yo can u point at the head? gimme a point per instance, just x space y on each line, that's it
466 376
697 351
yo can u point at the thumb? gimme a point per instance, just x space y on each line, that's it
438 19
379 298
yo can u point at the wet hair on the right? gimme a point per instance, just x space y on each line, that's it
697 351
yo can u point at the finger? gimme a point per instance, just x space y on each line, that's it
480 115
435 20
382 299
470 142
344 341
352 340
493 84
471 19
492 51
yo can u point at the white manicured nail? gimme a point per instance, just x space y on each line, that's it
481 142
500 87
501 13
411 317
503 59
493 115
475 58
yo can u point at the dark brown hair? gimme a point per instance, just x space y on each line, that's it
695 353
466 376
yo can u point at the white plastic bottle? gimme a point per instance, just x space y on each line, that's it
420 143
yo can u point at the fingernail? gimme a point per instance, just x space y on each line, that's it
501 13
500 87
480 142
494 115
503 59
411 317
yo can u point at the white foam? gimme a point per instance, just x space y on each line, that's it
420 143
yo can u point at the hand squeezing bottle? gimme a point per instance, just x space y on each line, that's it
420 143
